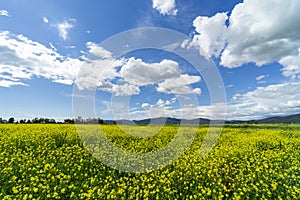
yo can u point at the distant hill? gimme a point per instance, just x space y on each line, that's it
165 120
160 120
170 120
284 119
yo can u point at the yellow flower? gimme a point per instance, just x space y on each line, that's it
15 190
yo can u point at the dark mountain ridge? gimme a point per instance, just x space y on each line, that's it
169 120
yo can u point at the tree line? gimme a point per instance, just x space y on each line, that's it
41 120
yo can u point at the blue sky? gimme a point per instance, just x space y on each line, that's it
49 48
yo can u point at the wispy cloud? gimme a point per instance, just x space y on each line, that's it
64 27
22 58
8 83
260 79
4 13
229 86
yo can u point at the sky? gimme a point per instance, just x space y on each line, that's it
54 53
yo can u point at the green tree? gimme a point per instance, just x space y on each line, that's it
11 120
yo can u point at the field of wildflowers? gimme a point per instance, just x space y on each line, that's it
248 162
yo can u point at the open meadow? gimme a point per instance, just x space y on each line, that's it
248 162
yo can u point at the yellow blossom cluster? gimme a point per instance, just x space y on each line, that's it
52 162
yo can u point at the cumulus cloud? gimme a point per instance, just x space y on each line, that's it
161 103
4 13
22 58
98 70
278 99
162 108
258 31
165 7
146 105
119 90
179 85
98 51
210 39
272 100
137 72
64 27
291 66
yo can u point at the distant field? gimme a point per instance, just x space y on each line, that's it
248 162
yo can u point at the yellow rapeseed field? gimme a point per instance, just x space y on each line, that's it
247 162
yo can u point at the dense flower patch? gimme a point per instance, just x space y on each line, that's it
248 162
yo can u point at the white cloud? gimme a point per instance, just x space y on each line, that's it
8 83
161 103
70 47
64 81
229 86
98 51
97 73
272 100
137 72
45 20
292 71
119 90
160 109
64 27
22 58
4 13
210 39
279 99
166 104
261 77
259 31
125 90
146 105
179 85
100 68
291 66
165 7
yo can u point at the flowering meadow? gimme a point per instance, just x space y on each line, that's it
39 161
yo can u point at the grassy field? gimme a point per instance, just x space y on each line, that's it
248 162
